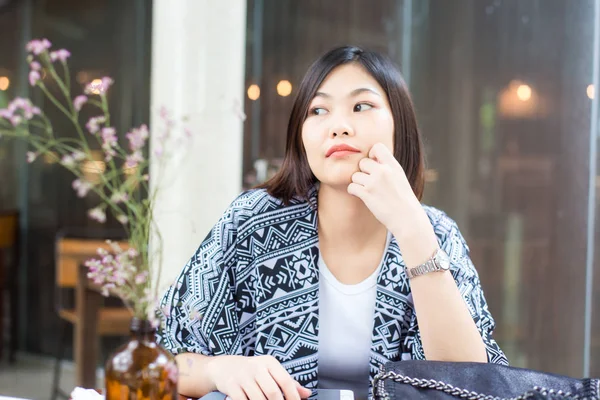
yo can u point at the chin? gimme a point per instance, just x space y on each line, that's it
337 176
337 181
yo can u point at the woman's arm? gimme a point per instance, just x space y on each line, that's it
194 380
448 332
239 377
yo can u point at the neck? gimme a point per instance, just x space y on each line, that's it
346 221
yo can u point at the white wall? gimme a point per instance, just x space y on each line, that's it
198 57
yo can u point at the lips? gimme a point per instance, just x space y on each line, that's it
341 148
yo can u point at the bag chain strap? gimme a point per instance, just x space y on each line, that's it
461 393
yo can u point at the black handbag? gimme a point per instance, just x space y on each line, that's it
437 380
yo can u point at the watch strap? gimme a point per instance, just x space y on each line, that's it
428 266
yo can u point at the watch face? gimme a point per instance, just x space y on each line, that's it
443 260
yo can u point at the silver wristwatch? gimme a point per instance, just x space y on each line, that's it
439 262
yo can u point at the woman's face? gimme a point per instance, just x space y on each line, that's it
348 115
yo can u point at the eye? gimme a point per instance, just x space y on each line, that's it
362 107
317 111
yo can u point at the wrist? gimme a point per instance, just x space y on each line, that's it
417 245
213 365
413 222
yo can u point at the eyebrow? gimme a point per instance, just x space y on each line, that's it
353 93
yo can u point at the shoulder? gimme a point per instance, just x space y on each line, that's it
444 227
257 202
439 218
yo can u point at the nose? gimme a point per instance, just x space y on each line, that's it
340 126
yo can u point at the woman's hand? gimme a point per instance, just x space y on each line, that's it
254 378
382 185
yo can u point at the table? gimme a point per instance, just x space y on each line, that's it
89 301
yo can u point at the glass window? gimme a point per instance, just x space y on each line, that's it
503 97
105 38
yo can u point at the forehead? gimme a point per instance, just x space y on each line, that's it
345 78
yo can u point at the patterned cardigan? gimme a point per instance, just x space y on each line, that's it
252 288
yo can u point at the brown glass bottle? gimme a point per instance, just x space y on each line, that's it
141 369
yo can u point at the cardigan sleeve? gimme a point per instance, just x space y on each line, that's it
202 296
469 286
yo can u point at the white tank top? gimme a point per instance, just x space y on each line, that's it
345 330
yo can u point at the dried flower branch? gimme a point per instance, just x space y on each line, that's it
122 185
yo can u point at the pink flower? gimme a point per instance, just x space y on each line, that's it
61 55
5 113
119 197
15 120
97 214
93 125
106 82
123 219
78 155
119 277
79 101
133 159
109 141
19 103
31 156
68 161
107 288
38 46
96 87
102 252
109 137
137 137
82 187
141 278
34 77
29 112
35 66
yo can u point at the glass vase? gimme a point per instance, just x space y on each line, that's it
141 369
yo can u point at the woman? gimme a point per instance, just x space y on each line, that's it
333 267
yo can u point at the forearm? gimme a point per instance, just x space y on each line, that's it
448 332
194 379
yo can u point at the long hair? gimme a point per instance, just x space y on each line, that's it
295 177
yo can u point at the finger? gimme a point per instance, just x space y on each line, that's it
268 385
380 153
285 382
361 178
357 190
253 391
302 391
368 165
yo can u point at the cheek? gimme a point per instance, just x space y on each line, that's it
381 128
310 138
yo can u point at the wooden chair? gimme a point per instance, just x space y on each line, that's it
9 244
73 248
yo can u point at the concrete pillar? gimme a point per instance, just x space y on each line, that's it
198 57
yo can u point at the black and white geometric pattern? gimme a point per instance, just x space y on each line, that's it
251 288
